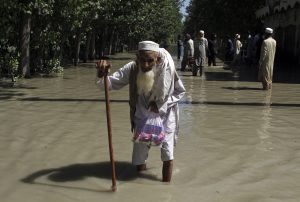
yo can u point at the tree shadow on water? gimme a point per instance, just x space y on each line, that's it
11 85
242 88
125 171
9 90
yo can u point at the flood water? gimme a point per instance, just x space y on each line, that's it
237 142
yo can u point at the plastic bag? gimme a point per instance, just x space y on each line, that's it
150 131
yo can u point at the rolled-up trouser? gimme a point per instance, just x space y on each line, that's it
141 150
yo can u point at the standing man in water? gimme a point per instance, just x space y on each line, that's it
154 86
237 51
229 50
188 51
212 49
201 46
266 60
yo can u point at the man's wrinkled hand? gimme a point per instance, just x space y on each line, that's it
103 68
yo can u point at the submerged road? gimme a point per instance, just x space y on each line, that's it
237 142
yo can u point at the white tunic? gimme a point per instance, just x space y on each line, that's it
189 49
201 45
169 92
266 61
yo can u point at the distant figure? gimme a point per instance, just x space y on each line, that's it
237 51
266 60
188 51
200 46
229 50
212 50
179 47
258 40
250 49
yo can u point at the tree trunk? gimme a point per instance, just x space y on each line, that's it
116 43
103 40
92 46
111 42
77 49
87 46
25 45
62 49
132 45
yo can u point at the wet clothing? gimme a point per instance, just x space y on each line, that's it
212 51
229 51
187 53
201 46
166 92
237 52
237 47
266 62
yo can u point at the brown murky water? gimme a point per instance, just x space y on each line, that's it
237 142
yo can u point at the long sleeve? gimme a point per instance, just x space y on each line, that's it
206 44
166 91
118 79
192 48
179 92
163 87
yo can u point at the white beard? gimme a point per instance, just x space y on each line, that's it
145 81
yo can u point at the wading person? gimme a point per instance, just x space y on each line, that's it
266 60
237 45
154 86
188 51
212 50
229 50
201 46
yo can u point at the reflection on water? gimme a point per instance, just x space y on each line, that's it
263 132
237 142
240 137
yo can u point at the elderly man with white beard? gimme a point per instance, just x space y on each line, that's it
154 86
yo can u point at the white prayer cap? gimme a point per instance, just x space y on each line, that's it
237 36
269 30
149 46
201 32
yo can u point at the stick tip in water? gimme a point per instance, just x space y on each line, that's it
114 188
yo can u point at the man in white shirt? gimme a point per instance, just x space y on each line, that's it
188 51
266 60
201 46
154 86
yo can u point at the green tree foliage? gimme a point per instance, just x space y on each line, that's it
225 17
9 53
60 29
143 19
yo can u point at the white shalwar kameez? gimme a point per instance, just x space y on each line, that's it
166 93
266 62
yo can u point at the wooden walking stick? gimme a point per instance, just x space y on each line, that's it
108 119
